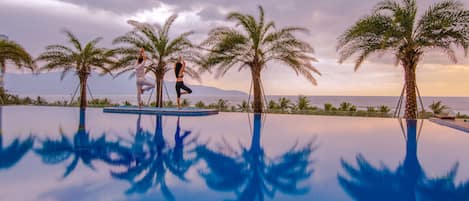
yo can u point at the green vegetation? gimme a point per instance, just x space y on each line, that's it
79 59
303 106
251 44
462 116
393 27
437 107
283 106
200 104
14 52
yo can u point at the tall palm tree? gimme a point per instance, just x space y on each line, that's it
394 27
14 52
162 51
80 59
252 44
251 173
13 153
408 182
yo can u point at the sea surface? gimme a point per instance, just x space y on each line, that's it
456 104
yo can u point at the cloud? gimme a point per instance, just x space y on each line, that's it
36 24
117 6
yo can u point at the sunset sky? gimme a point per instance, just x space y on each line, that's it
37 23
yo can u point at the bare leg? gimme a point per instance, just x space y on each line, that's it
149 85
139 96
179 103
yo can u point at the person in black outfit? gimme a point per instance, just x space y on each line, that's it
179 69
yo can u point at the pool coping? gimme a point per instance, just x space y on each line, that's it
452 124
161 111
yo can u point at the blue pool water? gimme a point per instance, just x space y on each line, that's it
55 154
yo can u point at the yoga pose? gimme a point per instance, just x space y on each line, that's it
179 69
141 81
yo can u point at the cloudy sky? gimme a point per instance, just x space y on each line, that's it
37 23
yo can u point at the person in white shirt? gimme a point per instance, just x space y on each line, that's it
140 74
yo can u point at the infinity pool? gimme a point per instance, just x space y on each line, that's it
55 154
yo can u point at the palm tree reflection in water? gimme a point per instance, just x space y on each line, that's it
12 154
153 158
407 183
251 174
83 148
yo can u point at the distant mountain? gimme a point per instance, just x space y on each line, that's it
50 84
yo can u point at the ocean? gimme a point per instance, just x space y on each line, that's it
456 104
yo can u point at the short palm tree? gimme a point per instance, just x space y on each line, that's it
394 27
161 51
252 44
273 105
79 59
437 107
345 106
303 103
284 103
244 106
14 52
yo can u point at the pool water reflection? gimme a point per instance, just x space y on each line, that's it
69 154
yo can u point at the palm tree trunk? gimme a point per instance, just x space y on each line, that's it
159 92
2 75
411 95
83 84
256 82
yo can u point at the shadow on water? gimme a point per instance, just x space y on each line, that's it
153 157
251 174
13 153
81 148
407 183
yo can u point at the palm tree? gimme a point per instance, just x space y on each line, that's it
200 104
394 27
253 45
12 154
273 105
82 148
408 182
251 173
222 104
284 103
303 103
80 59
244 106
162 51
14 52
384 109
154 158
437 107
345 106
